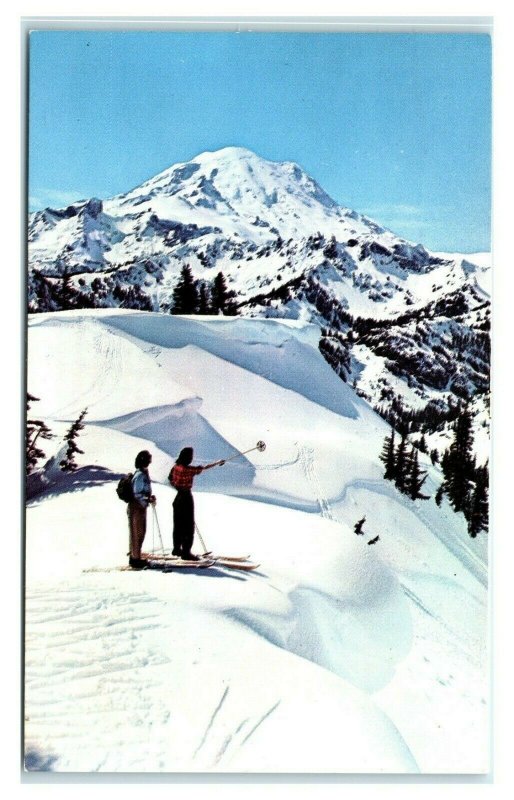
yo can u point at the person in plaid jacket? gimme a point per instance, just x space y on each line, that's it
181 477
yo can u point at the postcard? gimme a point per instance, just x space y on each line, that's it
257 432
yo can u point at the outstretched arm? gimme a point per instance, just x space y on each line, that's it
215 464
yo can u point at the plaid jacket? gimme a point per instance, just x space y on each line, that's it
181 477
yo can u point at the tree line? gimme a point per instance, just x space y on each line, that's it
465 484
192 296
402 466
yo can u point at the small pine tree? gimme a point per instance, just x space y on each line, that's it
439 495
387 457
479 506
415 478
358 526
35 429
458 464
68 463
185 293
65 292
204 299
223 301
402 464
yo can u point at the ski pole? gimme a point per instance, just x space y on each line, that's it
153 534
158 527
197 529
260 446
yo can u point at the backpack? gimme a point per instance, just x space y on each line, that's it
124 489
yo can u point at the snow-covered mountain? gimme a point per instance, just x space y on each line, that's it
408 328
334 656
229 194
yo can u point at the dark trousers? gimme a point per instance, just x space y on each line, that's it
183 522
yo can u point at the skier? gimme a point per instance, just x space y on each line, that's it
136 510
181 478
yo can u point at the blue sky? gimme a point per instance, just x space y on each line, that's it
397 126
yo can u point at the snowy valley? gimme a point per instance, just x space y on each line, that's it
335 655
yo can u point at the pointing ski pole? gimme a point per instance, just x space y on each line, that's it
260 446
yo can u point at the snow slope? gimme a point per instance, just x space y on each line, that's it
333 656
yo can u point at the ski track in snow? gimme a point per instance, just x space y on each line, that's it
417 600
307 460
85 663
211 721
75 617
234 741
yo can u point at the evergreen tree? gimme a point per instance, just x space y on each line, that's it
387 456
439 495
223 298
185 293
415 478
35 429
458 463
479 506
402 463
68 463
65 292
204 299
41 293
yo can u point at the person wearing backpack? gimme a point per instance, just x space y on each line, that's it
142 497
181 478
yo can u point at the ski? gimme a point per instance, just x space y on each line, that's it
225 558
157 565
170 563
246 566
208 555
166 563
231 562
109 569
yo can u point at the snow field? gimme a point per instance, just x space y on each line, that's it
182 618
333 656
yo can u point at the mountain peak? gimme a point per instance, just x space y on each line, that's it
231 151
238 191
